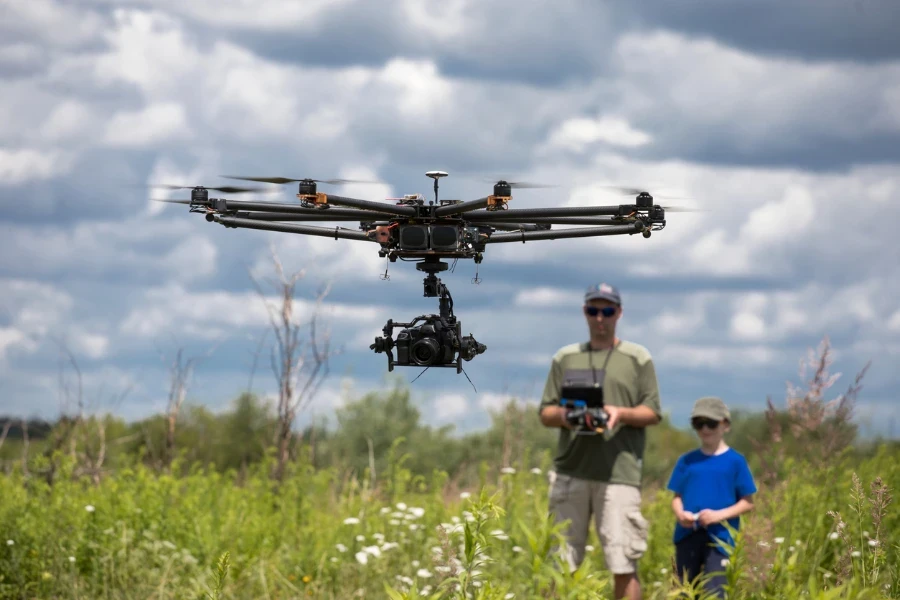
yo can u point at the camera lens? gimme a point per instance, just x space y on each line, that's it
425 351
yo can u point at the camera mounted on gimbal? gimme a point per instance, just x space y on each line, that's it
438 340
583 400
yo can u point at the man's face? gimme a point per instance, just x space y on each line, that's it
601 325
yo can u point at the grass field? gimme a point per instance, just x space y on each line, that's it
827 532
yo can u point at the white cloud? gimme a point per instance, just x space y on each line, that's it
450 406
26 164
578 133
893 323
162 122
544 296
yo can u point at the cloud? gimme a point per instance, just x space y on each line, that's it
578 133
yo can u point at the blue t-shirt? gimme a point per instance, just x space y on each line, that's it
713 482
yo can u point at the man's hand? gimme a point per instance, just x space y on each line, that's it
707 517
614 415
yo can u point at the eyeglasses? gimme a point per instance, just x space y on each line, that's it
699 423
606 311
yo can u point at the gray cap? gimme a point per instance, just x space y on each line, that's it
711 408
603 291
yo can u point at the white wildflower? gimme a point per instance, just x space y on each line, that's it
351 521
423 573
373 550
589 548
455 519
517 549
442 569
499 534
507 470
398 515
389 546
378 536
71 559
333 559
341 548
417 512
401 505
657 583
762 544
724 562
89 508
465 495
476 584
873 543
791 549
509 596
536 471
362 558
779 540
415 564
865 533
664 570
360 538
529 492
413 527
834 535
827 575
437 550
855 554
10 542
394 522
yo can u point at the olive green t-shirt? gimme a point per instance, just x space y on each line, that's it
630 380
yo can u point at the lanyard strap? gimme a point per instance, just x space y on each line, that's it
606 362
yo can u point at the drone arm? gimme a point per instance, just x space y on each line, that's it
455 209
516 214
377 207
329 215
291 228
509 226
524 236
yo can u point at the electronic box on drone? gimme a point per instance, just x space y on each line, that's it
429 233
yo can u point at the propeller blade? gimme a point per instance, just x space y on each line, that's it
170 201
225 189
684 209
633 191
521 185
283 180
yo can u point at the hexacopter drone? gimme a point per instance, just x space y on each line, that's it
429 233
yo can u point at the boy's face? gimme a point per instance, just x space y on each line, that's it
708 430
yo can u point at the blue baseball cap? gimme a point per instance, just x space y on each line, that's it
603 291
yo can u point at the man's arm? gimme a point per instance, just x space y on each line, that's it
639 416
554 416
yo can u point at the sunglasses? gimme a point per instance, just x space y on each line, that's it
606 311
700 423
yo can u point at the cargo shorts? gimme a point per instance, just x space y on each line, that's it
616 508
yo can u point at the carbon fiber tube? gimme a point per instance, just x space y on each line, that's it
290 228
455 209
525 221
366 208
382 207
320 215
509 226
525 236
562 211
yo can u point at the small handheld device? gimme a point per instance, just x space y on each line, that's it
582 396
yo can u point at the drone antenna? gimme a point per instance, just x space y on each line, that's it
436 175
420 374
384 276
467 377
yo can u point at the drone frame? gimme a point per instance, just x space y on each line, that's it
466 227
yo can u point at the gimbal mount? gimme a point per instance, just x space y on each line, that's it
438 341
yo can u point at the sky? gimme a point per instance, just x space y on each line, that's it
779 119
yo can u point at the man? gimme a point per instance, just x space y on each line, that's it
600 474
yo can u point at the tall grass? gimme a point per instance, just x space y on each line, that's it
826 531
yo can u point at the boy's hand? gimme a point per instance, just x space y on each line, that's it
708 516
686 518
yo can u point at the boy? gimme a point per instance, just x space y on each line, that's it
712 485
